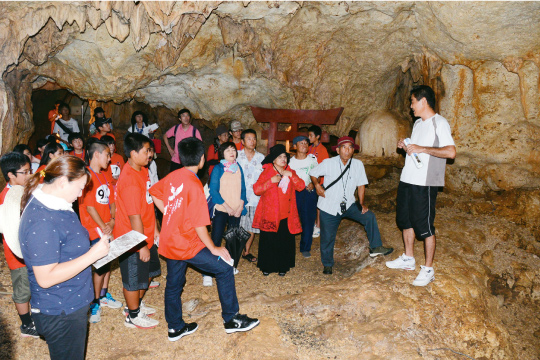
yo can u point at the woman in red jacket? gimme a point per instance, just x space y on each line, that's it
276 214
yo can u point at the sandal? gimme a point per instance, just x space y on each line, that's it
249 258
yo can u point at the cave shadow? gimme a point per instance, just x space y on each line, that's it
7 342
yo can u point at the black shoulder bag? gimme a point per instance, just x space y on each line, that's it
339 177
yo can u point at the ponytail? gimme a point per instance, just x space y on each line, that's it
69 166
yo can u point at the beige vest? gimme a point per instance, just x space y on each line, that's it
230 189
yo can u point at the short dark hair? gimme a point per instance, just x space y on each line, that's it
316 130
50 148
134 142
107 139
190 151
424 92
225 146
184 111
21 147
74 136
64 105
144 117
12 162
92 148
248 131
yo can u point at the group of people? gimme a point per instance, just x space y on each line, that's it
274 195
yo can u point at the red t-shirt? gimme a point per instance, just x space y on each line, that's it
42 167
12 260
211 155
239 145
98 135
80 156
319 151
98 194
115 167
132 198
185 209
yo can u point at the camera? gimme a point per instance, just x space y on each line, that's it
343 206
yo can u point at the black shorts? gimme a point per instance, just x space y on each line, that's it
135 272
416 208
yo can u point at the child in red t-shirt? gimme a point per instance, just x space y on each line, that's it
16 170
135 211
97 210
185 240
77 143
117 161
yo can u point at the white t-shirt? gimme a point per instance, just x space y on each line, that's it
344 189
303 167
152 172
432 132
71 124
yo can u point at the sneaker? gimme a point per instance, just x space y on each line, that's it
306 254
240 323
186 330
109 301
381 250
142 321
235 271
206 280
29 331
403 262
144 309
316 231
327 270
95 313
153 284
425 276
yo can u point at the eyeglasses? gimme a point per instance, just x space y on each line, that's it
25 172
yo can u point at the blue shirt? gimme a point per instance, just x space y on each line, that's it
51 236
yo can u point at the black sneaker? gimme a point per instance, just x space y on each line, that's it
327 270
381 250
29 331
186 330
240 323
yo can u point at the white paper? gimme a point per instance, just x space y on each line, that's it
153 127
120 245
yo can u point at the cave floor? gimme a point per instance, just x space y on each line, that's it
298 312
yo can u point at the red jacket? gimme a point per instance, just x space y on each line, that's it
267 213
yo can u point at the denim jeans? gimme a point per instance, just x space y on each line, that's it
176 279
306 202
330 224
220 220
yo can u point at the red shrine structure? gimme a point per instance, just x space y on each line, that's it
293 117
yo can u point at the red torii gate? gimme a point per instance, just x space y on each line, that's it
293 117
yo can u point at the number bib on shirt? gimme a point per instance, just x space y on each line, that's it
148 196
115 169
102 195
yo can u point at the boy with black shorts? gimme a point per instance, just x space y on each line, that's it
135 211
185 240
16 169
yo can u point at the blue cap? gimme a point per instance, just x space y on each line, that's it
299 138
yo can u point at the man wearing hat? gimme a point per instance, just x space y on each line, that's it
102 124
342 176
235 129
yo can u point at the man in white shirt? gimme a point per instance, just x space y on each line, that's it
337 200
432 142
65 125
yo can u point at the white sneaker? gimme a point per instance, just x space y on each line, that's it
95 313
109 301
235 271
144 309
316 231
142 321
206 280
425 276
153 284
403 262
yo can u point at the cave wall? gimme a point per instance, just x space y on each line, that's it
217 58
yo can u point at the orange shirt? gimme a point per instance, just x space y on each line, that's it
239 145
319 151
80 156
132 198
12 260
211 155
185 209
99 195
98 135
115 167
52 118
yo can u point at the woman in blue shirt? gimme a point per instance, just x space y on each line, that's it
56 251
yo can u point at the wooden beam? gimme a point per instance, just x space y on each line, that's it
290 135
289 116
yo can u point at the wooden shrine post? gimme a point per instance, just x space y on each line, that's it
293 117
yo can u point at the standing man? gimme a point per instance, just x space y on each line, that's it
180 132
343 175
235 129
432 141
